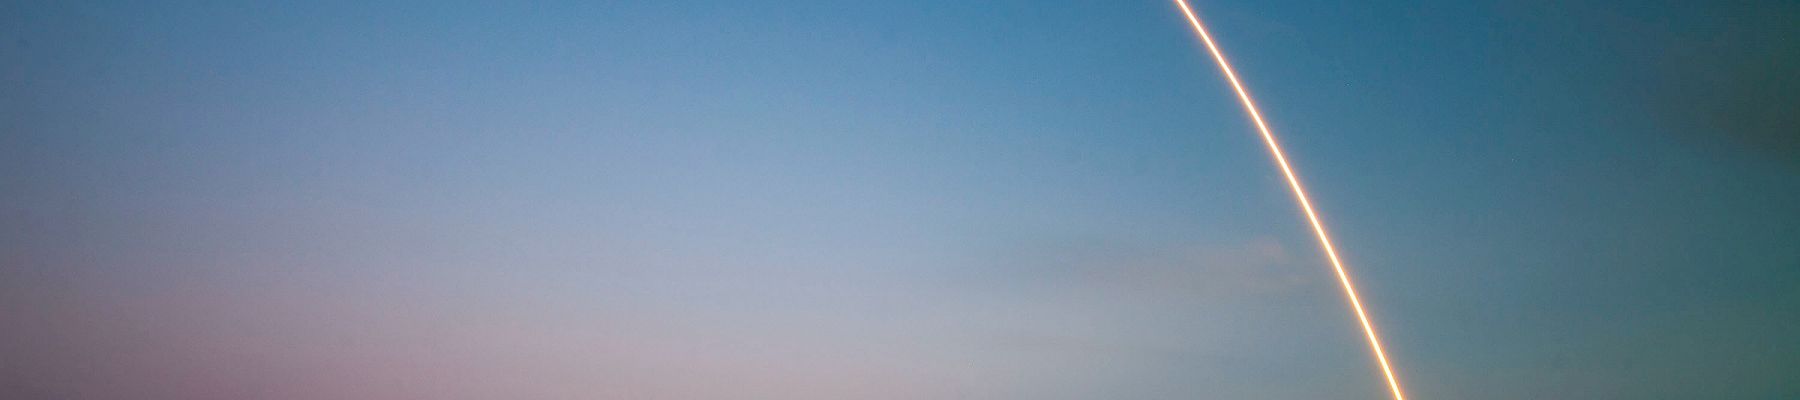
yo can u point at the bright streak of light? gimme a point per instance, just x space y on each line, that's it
1300 194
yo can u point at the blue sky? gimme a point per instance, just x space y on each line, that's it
815 199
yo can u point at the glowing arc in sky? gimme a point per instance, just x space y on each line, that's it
1299 194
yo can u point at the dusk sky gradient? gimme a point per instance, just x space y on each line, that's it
895 200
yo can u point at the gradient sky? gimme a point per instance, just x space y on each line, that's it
894 200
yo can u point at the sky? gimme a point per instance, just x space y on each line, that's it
895 200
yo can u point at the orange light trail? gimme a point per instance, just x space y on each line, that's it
1299 194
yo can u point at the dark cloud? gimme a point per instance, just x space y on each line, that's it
1737 81
1720 75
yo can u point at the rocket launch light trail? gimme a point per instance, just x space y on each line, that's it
1299 194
